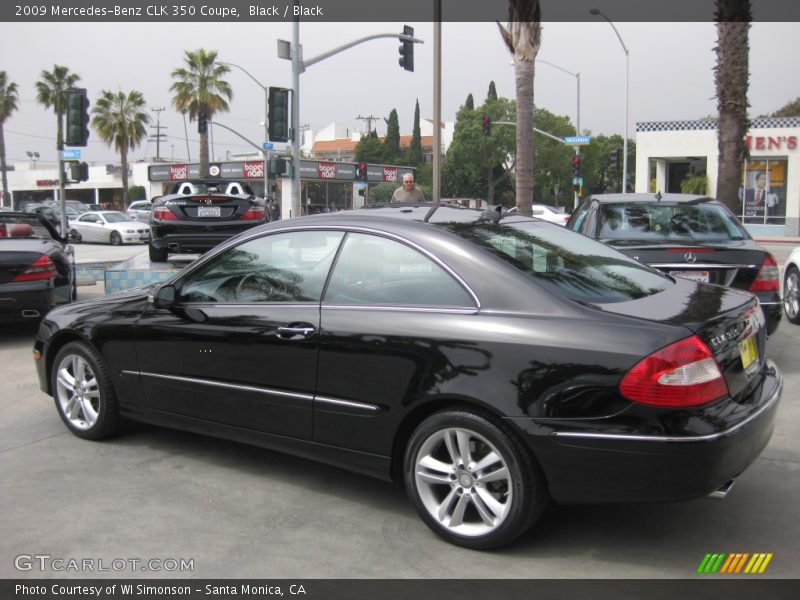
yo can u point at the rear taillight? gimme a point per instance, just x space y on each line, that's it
162 213
42 268
682 374
254 214
3 230
768 278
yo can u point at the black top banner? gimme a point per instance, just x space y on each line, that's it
376 10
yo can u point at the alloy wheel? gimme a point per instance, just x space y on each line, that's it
463 482
791 295
78 392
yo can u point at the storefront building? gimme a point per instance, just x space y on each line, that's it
325 186
670 152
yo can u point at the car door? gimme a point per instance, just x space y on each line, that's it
90 226
391 318
240 344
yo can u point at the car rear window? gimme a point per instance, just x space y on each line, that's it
659 221
580 268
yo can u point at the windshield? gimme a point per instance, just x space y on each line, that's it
582 269
704 222
115 217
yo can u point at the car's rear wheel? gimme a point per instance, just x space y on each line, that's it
471 480
157 254
83 392
74 236
791 294
116 239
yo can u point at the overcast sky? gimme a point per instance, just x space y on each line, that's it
671 74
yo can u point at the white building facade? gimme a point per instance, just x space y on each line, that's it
669 152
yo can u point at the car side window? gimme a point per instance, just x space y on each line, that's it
376 270
576 221
283 267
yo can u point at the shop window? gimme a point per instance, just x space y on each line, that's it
762 195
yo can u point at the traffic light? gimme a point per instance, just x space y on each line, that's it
277 167
486 121
576 172
202 122
407 50
77 111
615 159
79 171
278 114
361 172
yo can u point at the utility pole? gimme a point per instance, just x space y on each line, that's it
369 121
158 135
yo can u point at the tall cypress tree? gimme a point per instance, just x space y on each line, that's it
492 95
391 143
470 103
415 150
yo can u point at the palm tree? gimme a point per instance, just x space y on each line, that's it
49 92
8 104
199 89
523 36
120 121
732 73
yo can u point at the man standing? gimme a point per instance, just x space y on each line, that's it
409 192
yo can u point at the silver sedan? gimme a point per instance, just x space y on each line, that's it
110 227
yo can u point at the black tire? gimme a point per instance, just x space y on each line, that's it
83 393
450 495
116 239
75 237
157 254
791 294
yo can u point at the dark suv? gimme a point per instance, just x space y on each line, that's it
198 215
687 236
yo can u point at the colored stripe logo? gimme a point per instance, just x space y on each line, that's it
735 563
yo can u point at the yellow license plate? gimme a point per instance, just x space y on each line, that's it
747 350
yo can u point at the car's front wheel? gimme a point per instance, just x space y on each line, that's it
83 393
471 480
116 239
791 294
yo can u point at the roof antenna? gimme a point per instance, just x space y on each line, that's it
658 196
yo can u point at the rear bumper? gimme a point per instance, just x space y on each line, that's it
177 241
27 301
595 467
773 313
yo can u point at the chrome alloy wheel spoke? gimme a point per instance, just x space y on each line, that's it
791 300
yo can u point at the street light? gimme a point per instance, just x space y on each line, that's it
34 156
596 12
265 152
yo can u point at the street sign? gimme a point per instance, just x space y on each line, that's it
578 140
268 146
71 154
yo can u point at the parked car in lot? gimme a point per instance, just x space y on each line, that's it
791 287
110 227
683 235
198 215
77 206
488 365
37 267
140 211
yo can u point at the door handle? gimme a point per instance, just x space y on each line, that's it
294 331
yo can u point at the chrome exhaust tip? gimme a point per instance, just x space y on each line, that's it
31 314
722 491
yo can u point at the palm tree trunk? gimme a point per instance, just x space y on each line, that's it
732 82
204 155
523 74
123 156
5 200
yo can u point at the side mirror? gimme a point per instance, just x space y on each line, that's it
164 296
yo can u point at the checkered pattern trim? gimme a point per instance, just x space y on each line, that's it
705 124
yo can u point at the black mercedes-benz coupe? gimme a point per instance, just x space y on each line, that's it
489 364
689 236
197 215
37 267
